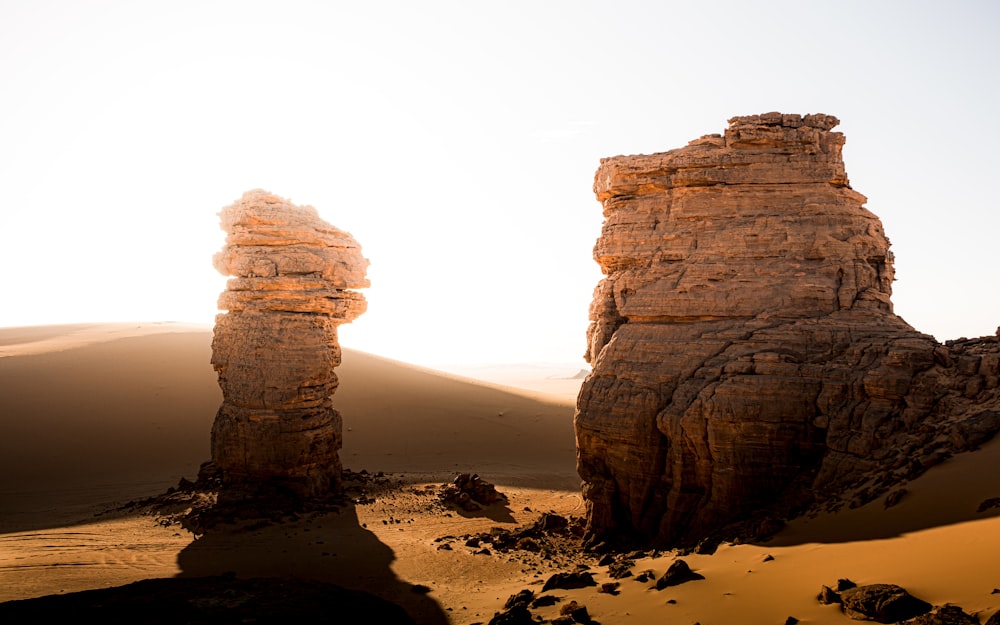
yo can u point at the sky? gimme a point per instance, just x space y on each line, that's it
457 142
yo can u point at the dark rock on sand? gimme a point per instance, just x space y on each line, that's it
678 573
946 615
566 581
884 603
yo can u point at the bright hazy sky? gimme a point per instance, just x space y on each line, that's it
457 141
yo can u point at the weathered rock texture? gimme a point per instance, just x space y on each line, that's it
276 347
746 358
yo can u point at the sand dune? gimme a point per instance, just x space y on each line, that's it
91 413
94 415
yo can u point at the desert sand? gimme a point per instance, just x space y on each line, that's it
93 416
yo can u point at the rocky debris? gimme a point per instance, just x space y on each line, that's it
945 615
470 492
198 507
646 575
275 347
791 620
746 359
621 568
548 535
883 603
568 581
676 574
517 609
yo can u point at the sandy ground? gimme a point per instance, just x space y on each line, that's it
92 416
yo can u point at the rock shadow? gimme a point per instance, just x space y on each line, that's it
329 547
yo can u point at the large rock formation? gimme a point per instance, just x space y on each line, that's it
746 358
276 347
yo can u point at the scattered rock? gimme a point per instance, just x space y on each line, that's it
678 573
768 558
884 603
791 620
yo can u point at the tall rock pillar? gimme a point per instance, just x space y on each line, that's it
275 347
746 357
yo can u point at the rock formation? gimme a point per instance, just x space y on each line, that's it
746 358
276 347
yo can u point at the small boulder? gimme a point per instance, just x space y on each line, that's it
678 573
544 600
567 581
576 612
884 603
610 588
524 598
517 615
828 595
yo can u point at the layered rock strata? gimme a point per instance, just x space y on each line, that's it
746 357
276 347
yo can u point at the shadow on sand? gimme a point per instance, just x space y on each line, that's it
316 565
329 547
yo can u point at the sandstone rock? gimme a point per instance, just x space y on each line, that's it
746 357
276 347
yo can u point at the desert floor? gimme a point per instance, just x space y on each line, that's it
93 416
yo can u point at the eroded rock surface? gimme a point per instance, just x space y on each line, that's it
746 358
276 348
